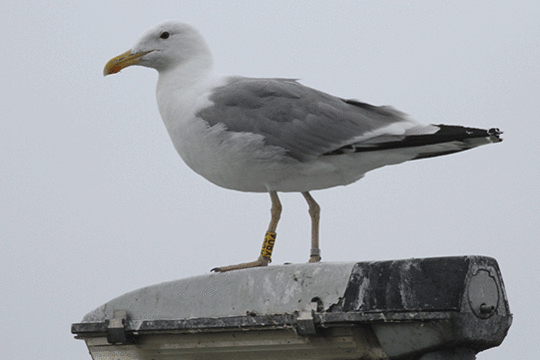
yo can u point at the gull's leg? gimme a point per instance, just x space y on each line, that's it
268 245
314 212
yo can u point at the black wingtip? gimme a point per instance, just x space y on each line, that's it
495 135
453 132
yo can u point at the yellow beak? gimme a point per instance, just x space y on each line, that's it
123 61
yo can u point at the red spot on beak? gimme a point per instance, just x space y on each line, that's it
115 69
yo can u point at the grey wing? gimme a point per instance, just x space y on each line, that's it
306 122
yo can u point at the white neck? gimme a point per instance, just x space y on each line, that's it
186 74
182 90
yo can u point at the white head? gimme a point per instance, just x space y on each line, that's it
163 47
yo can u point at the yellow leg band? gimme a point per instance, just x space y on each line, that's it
268 244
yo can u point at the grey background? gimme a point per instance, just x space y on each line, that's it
94 201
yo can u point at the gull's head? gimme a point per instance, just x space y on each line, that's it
162 47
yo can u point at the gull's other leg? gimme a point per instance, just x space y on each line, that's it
314 213
268 245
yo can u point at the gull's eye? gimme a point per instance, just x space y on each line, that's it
164 35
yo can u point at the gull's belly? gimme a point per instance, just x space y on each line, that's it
243 162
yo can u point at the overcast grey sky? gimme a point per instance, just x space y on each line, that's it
95 202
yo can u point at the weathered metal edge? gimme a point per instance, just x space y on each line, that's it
260 321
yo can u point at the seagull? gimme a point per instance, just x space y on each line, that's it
274 134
